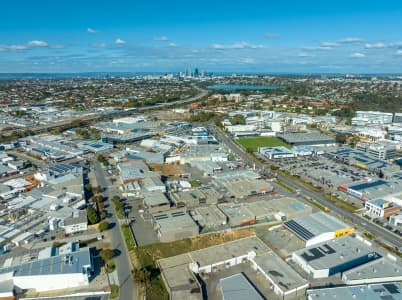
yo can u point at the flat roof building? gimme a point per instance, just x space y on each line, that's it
335 256
381 291
380 208
69 269
174 225
276 152
317 228
311 139
374 189
187 271
209 217
238 287
155 201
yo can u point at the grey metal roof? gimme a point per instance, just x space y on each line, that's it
384 291
75 262
237 287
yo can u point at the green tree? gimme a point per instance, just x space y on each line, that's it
103 226
92 215
238 120
106 254
88 187
141 275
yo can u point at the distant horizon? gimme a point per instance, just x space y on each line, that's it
220 73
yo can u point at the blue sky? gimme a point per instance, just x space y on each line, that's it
220 36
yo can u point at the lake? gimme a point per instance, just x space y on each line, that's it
238 87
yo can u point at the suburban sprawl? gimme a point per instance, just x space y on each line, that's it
201 186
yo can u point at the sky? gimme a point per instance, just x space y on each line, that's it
290 36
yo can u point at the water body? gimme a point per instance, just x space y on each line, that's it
238 87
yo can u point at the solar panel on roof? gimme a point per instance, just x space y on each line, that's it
314 254
299 230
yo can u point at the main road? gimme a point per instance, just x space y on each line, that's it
127 287
380 232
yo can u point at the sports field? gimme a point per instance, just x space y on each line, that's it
253 143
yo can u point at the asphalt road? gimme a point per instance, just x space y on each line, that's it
123 264
381 233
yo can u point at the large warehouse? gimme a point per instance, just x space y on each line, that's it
384 291
335 256
307 139
53 269
317 228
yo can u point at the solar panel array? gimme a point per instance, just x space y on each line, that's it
299 230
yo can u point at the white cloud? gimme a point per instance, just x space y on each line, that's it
329 44
357 55
239 45
319 48
304 54
395 44
247 61
399 52
99 45
161 38
350 40
271 35
375 45
119 41
91 30
172 45
13 47
38 44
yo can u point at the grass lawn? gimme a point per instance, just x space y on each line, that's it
266 141
128 237
194 183
111 266
114 291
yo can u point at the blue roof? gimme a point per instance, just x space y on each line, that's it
367 185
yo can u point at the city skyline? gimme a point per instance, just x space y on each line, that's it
259 37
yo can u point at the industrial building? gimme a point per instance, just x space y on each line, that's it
374 189
54 268
209 217
381 291
380 208
385 269
125 138
279 209
397 118
238 185
195 197
335 256
308 139
237 214
94 146
317 228
379 150
77 222
155 201
361 160
238 287
276 152
363 118
186 272
174 225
